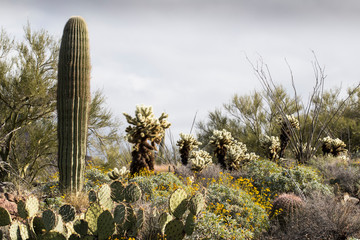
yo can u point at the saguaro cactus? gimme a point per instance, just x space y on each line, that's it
73 98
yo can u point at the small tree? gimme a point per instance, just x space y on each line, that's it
28 72
145 132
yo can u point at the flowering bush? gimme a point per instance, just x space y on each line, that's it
237 204
267 174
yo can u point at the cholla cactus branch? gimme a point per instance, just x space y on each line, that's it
334 147
145 131
186 144
237 155
199 160
271 146
222 141
288 125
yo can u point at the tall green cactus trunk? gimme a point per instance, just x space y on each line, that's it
73 98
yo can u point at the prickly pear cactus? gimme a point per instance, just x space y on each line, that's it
196 203
140 218
67 213
31 206
18 231
117 191
190 224
120 213
105 225
23 213
53 236
91 216
50 219
81 227
164 219
174 230
199 160
132 192
5 218
130 220
186 144
104 197
37 225
92 196
178 203
145 132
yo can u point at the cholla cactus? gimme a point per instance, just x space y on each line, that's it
290 119
303 148
222 141
287 125
237 155
146 131
186 144
116 173
333 146
199 160
271 146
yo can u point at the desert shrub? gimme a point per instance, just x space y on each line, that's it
344 176
162 184
321 217
183 171
95 177
235 203
300 179
211 173
211 226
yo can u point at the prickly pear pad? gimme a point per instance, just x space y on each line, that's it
178 203
174 230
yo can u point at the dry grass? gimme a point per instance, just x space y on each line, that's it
79 201
164 168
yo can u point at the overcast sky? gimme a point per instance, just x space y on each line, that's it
188 56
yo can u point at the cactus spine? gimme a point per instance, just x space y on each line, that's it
73 97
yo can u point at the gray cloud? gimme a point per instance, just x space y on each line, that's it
188 56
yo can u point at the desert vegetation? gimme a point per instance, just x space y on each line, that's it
266 166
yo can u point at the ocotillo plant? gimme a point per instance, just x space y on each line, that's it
73 96
145 132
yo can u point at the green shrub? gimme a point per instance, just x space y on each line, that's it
267 174
162 184
236 204
94 177
210 226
